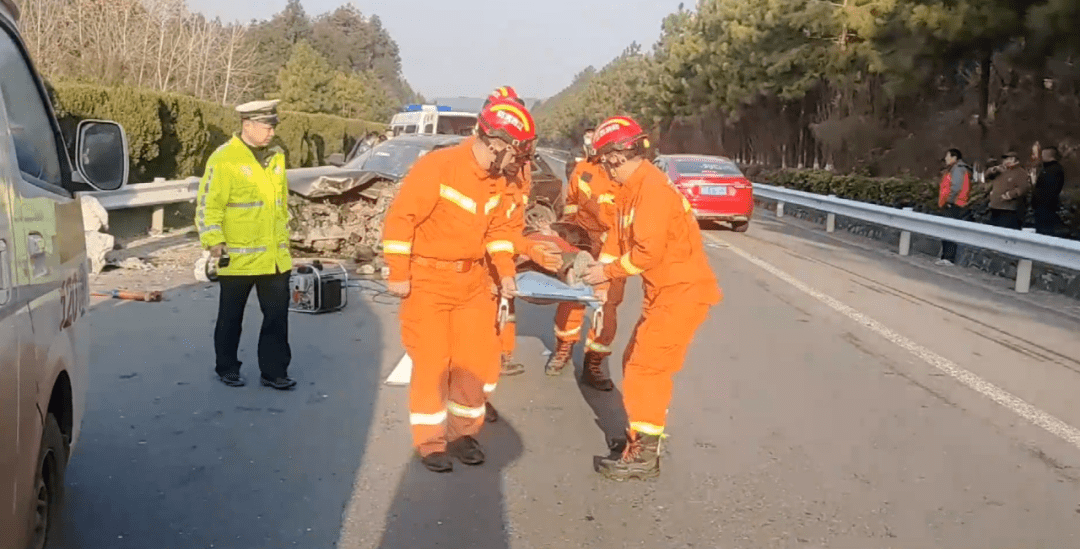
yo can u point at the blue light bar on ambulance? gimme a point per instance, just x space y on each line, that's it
418 108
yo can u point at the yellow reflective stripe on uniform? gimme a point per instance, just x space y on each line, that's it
603 237
597 347
492 203
511 210
567 333
647 428
608 258
455 196
211 228
489 388
437 418
628 266
465 411
242 251
628 219
606 198
585 188
570 209
397 247
497 246
200 218
258 204
685 204
511 318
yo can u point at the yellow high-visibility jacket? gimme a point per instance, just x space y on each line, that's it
244 206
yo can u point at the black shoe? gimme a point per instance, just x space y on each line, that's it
232 379
593 373
279 383
467 450
438 462
490 415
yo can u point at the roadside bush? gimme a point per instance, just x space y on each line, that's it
171 135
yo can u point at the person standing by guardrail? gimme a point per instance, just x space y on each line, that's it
1010 186
241 209
1046 197
955 189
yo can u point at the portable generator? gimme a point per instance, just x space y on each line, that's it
317 287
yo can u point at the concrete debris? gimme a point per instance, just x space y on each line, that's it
98 244
347 226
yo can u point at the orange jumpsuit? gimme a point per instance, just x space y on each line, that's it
513 209
657 237
436 234
590 204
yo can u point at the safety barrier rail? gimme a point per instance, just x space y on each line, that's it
1026 245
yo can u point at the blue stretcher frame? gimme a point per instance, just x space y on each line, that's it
534 285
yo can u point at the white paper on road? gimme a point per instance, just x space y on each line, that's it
402 372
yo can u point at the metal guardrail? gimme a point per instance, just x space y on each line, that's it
1024 245
157 193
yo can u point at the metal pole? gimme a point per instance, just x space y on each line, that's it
779 209
905 239
1023 272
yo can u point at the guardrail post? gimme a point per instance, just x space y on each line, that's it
1023 272
157 220
779 209
905 238
830 220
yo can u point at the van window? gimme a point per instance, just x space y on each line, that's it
456 125
31 128
411 128
430 128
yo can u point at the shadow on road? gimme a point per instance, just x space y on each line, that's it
170 457
464 508
538 321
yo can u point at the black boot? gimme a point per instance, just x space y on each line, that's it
593 373
467 450
510 367
438 461
490 415
564 351
640 459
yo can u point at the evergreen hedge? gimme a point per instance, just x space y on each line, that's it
172 135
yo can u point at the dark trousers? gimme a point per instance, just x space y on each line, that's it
1046 221
948 248
1008 219
274 351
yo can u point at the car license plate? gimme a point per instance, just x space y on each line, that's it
714 190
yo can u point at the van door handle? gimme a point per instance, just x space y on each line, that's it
35 244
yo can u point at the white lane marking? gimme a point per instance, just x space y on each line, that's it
1051 424
402 372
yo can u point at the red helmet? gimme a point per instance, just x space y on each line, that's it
507 119
618 133
506 91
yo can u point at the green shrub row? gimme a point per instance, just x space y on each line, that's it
171 135
907 192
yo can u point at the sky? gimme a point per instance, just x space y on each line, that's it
453 48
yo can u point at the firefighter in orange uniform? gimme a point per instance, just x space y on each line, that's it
437 232
590 204
656 236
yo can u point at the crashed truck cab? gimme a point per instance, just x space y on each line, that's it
44 287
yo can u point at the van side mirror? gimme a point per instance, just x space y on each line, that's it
101 154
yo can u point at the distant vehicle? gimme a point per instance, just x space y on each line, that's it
395 156
432 120
715 187
44 288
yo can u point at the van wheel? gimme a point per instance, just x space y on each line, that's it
740 226
48 482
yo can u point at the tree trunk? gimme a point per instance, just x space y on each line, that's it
985 65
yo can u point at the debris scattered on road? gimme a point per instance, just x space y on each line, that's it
150 296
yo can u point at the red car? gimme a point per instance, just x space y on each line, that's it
714 185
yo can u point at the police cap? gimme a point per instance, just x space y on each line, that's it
260 111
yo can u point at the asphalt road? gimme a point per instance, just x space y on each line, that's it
839 397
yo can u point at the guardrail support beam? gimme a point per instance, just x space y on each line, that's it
779 209
157 221
830 223
1023 272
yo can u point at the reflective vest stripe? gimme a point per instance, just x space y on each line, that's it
492 203
497 246
630 267
397 247
247 250
437 418
570 209
465 411
606 198
567 333
283 246
489 388
585 188
686 204
455 196
608 259
647 428
200 217
211 228
597 347
258 204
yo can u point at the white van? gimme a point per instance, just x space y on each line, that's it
44 290
433 119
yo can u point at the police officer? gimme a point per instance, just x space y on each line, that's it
241 215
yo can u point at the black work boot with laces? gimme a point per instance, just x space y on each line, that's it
593 373
564 351
639 460
467 450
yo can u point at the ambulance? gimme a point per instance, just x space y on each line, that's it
44 290
432 120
